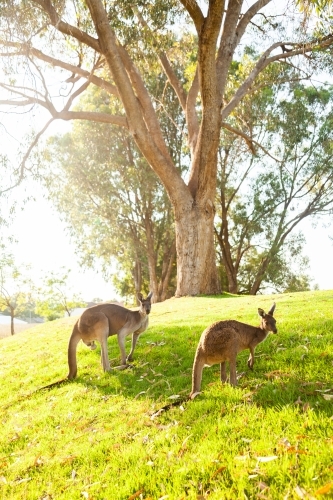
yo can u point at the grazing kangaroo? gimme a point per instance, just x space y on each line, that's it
223 340
100 322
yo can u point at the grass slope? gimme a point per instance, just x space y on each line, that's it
94 438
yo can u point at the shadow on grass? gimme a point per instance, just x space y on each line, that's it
292 376
222 296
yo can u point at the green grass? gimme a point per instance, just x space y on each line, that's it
94 438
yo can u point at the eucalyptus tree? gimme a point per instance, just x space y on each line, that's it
113 203
114 45
263 198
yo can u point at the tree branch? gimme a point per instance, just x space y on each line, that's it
195 12
65 28
264 61
26 50
248 16
22 166
249 141
227 46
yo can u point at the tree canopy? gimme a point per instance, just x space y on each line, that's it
53 51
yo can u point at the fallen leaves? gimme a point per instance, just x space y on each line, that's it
218 471
266 459
285 445
302 493
276 374
305 406
324 489
183 447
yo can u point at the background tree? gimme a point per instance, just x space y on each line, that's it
114 204
263 198
15 289
55 297
114 46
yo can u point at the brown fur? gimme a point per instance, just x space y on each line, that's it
100 322
223 340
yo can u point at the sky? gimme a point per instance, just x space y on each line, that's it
43 241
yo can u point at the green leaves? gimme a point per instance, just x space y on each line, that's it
55 297
264 197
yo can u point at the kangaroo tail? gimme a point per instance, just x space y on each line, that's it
73 342
198 365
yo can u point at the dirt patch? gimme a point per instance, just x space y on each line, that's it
5 329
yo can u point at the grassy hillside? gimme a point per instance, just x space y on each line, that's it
95 438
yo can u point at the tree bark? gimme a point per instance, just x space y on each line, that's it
196 266
137 276
12 314
169 256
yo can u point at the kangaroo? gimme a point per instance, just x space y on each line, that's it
100 322
223 340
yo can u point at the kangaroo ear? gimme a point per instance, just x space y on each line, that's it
140 297
272 309
261 312
150 294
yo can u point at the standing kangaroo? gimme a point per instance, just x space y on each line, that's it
100 322
223 340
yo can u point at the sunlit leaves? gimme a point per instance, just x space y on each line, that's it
290 178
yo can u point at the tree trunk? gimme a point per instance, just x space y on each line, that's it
12 322
169 256
260 276
230 270
196 265
137 276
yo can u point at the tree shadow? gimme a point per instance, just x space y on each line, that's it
162 369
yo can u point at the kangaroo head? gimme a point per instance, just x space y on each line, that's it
268 323
145 304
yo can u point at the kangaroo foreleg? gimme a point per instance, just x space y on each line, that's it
135 337
250 361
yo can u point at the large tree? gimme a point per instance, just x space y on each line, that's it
114 45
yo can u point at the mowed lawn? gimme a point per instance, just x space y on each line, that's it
102 436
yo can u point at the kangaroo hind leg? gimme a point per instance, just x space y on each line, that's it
101 333
97 328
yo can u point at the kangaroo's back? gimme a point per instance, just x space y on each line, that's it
223 336
117 316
